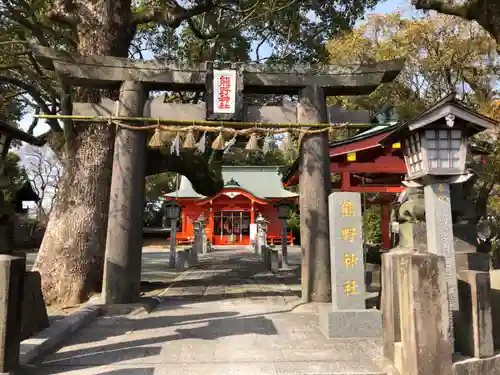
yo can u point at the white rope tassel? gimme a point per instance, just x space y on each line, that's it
200 146
268 142
230 144
176 145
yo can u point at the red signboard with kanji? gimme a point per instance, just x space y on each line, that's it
224 91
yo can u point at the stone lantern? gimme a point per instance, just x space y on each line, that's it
261 224
261 232
435 151
172 212
201 221
284 210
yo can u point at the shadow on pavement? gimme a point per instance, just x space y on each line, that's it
90 370
139 348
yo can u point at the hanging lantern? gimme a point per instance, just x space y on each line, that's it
253 144
287 143
190 141
218 143
160 138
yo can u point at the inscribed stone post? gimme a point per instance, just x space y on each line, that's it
347 315
440 239
440 233
346 251
11 297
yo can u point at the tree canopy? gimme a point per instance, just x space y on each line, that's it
443 54
485 12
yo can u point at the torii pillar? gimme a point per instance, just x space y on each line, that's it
315 187
122 264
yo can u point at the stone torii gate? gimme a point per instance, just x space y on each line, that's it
312 84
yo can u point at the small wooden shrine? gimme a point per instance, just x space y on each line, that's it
248 191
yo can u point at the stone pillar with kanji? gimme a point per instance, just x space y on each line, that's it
347 315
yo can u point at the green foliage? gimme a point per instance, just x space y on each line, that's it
293 225
159 184
240 156
372 221
442 54
13 178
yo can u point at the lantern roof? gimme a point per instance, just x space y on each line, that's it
449 105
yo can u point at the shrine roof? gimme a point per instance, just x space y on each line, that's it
362 141
260 181
15 133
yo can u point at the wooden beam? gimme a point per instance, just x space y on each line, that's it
375 189
157 108
106 71
382 164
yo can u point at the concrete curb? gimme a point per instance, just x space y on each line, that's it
59 331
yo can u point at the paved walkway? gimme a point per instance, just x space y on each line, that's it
227 316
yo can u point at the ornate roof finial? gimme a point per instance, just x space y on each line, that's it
232 182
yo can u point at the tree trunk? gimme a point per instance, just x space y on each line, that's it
71 255
70 259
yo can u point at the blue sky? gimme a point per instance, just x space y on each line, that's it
390 6
387 6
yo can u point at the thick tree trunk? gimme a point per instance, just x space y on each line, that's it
71 255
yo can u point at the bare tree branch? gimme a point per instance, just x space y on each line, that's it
36 95
467 10
44 171
34 123
171 15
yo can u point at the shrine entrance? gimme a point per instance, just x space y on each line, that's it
135 116
231 228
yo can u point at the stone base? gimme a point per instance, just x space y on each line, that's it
34 311
413 236
472 261
350 323
182 260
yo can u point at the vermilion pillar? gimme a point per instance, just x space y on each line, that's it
211 223
345 181
384 226
252 214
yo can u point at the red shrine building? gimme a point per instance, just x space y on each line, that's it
248 191
366 164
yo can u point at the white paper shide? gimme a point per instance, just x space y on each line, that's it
224 91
